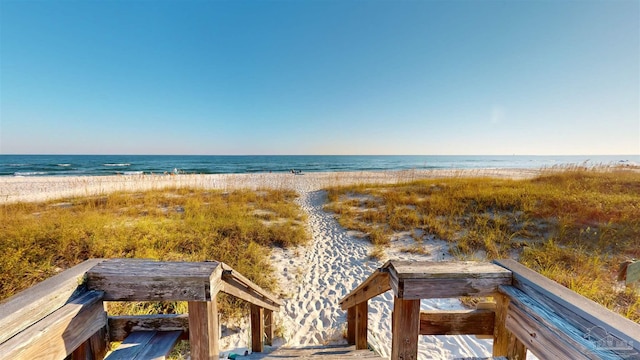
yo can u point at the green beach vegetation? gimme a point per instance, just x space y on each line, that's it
37 240
573 225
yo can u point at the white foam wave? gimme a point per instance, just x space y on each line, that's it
117 165
29 173
64 165
133 172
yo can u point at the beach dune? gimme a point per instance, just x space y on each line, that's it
312 278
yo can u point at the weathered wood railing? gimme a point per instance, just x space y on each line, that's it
65 315
531 312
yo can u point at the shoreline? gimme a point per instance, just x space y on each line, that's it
45 188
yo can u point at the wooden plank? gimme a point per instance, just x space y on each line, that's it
121 326
361 327
500 332
376 284
252 288
61 332
257 328
203 329
406 326
427 280
234 288
145 280
547 334
448 288
351 325
27 307
336 352
269 327
160 345
516 349
447 270
146 345
579 311
457 322
95 348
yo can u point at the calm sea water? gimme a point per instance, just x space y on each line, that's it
67 165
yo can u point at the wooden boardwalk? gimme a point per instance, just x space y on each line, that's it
320 352
331 352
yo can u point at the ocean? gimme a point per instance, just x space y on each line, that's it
85 165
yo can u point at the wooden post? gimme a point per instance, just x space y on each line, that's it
362 319
406 325
94 348
351 325
269 327
500 332
516 349
203 329
257 328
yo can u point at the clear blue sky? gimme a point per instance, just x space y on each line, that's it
320 77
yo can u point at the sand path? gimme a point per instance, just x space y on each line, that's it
316 278
333 265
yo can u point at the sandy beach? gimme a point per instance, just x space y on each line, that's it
312 279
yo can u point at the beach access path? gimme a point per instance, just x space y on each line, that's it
313 278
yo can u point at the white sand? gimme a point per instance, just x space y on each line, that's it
312 279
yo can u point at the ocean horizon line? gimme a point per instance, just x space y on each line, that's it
96 165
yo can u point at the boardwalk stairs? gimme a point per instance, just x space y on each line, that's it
64 317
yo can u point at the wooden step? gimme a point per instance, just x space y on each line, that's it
146 345
322 352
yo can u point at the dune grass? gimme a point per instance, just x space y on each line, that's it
574 225
37 240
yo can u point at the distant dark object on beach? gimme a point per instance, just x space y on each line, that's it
296 172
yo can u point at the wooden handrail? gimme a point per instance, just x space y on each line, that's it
71 327
577 311
376 284
239 286
530 312
29 306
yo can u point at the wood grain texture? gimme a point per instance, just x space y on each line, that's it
93 349
322 353
257 328
406 326
376 284
146 345
351 325
582 313
545 333
203 330
145 280
27 307
362 324
448 288
231 275
269 327
500 332
516 349
427 280
447 270
61 332
121 326
457 322
232 287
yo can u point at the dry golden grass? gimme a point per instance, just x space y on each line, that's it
574 225
38 240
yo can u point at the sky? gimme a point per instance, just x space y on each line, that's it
320 77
